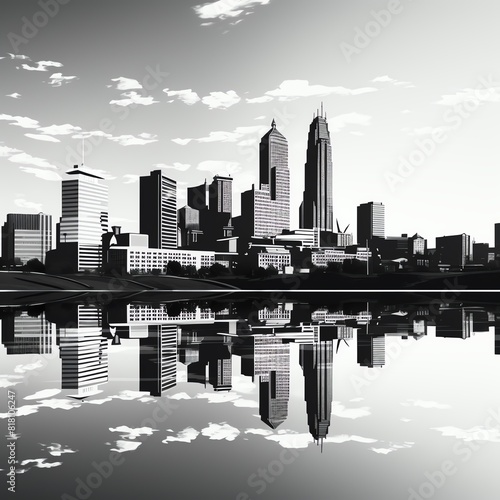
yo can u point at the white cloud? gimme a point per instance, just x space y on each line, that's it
42 66
14 95
59 404
133 433
179 396
260 100
426 404
289 439
393 81
344 438
341 121
392 447
221 100
219 432
219 167
40 463
18 56
479 95
126 83
46 393
130 395
22 411
133 98
341 411
130 140
262 117
57 79
477 433
64 129
20 121
222 9
42 137
56 449
187 96
181 167
6 151
293 89
10 380
29 367
259 432
185 436
27 159
124 446
29 205
238 134
130 178
47 175
182 142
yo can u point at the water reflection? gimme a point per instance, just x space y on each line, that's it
206 337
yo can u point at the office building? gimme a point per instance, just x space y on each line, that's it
316 209
454 251
26 237
371 221
158 210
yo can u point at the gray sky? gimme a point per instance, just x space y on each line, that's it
391 74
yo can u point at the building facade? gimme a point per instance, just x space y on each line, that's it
158 210
83 221
371 221
316 209
26 237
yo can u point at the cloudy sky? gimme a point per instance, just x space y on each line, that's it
409 86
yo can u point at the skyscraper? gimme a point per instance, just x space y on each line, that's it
158 210
84 216
158 358
84 352
316 210
26 236
265 211
316 361
220 197
371 221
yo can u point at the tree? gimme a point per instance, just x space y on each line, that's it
218 270
272 271
173 268
354 266
34 265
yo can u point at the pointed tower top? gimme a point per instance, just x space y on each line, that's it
273 124
321 108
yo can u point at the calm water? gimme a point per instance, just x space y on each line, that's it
253 399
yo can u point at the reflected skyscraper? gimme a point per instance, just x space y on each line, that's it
316 210
25 334
158 359
316 361
84 352
371 350
271 363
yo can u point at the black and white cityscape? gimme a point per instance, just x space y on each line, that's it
248 248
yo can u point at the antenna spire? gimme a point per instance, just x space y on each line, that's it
83 150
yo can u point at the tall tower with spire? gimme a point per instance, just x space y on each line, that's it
316 210
266 209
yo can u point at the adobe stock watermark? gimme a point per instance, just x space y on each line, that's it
435 480
487 90
364 36
31 27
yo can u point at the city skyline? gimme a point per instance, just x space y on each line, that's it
381 100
